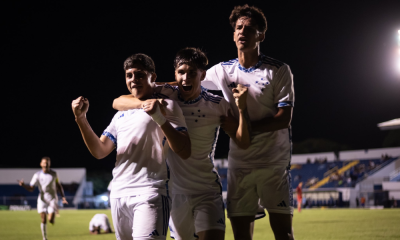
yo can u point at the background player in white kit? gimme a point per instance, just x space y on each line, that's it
260 172
139 203
48 183
197 205
99 222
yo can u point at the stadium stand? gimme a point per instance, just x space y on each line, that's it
338 180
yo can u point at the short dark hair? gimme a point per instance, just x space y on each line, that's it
46 158
251 12
191 56
140 59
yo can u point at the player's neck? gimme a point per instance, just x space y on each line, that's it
46 170
249 58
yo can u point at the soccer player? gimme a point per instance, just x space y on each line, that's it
48 183
260 172
139 202
98 222
299 196
197 206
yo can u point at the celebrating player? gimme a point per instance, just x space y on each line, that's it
197 205
139 203
99 222
47 182
260 172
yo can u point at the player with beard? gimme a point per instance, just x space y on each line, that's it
48 183
197 205
260 173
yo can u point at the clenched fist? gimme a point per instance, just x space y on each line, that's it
240 95
80 106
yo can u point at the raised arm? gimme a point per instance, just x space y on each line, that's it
238 131
98 147
179 141
61 191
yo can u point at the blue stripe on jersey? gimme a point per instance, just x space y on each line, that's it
166 212
174 88
271 61
168 176
285 104
211 156
111 137
209 97
230 62
181 129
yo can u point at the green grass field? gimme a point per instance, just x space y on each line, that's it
312 224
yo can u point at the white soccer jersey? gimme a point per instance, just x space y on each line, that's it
197 174
46 183
99 220
140 167
270 84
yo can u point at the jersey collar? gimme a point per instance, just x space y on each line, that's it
251 69
203 90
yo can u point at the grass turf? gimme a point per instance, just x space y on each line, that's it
312 224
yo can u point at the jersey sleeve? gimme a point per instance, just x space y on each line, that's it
224 107
169 91
34 180
175 115
213 79
283 87
111 130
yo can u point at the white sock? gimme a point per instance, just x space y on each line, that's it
44 230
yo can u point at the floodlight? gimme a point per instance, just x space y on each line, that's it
104 198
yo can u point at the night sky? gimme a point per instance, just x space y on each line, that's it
342 55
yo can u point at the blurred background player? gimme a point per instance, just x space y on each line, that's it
139 202
197 205
99 222
299 196
263 170
48 183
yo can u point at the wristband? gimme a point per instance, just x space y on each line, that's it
158 117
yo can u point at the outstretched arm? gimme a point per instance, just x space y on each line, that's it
27 187
98 147
179 141
126 102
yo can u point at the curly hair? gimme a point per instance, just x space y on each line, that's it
46 158
191 56
252 12
140 59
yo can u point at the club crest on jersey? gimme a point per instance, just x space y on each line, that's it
262 83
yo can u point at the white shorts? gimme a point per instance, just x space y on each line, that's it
47 206
191 214
99 220
140 217
249 188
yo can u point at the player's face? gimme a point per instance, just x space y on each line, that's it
246 36
189 81
139 82
45 164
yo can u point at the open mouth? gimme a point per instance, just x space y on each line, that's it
187 88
